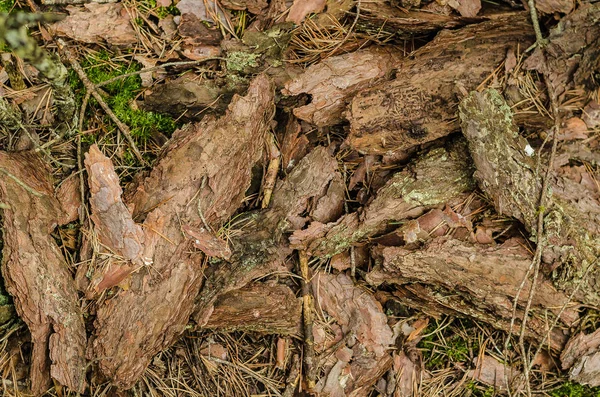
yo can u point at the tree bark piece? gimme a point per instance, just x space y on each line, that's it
477 281
264 308
381 15
430 181
419 105
36 274
508 176
199 181
333 81
262 246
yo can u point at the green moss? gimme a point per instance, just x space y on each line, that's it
121 95
570 389
151 7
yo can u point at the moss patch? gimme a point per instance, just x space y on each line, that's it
121 94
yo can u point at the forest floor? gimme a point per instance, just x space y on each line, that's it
308 197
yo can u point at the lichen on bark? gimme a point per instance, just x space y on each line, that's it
513 182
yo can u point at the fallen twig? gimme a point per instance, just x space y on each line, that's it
94 92
307 321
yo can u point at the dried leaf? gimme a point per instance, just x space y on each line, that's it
490 371
95 23
301 8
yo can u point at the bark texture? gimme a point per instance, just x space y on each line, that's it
479 281
420 104
262 247
430 181
36 273
258 307
199 181
509 177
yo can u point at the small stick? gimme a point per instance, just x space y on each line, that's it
271 174
21 183
540 41
307 321
94 92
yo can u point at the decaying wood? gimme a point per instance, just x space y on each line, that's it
199 181
333 81
380 14
581 356
258 307
474 280
428 182
509 177
36 274
262 246
419 105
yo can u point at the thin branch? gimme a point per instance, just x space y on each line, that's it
94 92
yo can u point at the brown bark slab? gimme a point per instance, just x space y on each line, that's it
258 307
572 51
428 182
36 274
420 104
475 280
356 312
199 181
262 247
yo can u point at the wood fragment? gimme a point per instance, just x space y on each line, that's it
419 105
333 81
36 274
310 365
258 307
474 280
192 174
508 176
430 181
262 246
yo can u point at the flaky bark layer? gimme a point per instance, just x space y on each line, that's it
36 274
199 181
454 277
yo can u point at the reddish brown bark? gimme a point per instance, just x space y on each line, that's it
36 274
433 180
200 180
262 247
258 307
480 281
